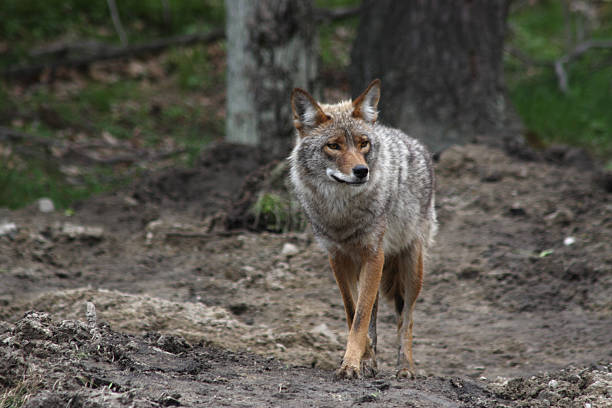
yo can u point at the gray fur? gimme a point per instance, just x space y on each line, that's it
353 213
398 196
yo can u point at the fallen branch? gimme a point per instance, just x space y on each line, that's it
578 50
559 64
82 150
137 156
89 52
107 52
205 235
526 59
63 49
13 135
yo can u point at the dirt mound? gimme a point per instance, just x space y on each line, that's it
211 325
211 186
570 387
100 367
205 191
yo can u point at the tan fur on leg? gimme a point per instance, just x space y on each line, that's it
346 273
414 263
358 341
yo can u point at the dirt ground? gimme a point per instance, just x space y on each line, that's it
516 310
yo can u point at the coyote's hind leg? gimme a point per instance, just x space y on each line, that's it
410 266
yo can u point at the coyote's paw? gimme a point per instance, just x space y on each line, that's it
369 367
405 372
348 372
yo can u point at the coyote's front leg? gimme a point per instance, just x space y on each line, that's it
358 318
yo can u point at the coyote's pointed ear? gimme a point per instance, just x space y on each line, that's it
306 111
364 106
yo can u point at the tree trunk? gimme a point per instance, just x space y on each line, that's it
440 62
271 48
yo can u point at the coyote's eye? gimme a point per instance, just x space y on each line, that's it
333 146
364 144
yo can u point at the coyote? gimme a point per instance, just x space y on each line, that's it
368 191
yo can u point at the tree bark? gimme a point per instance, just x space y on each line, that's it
440 62
271 48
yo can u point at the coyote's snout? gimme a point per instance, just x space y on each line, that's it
348 153
368 191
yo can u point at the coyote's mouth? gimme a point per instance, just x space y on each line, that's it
353 183
344 179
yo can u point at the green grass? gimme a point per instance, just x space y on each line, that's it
582 116
146 111
26 23
134 110
192 67
124 110
17 396
25 184
335 38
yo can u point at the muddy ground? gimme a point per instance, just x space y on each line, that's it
516 310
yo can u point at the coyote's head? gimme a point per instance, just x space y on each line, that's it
337 139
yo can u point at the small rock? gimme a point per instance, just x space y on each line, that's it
45 205
517 209
7 228
325 331
603 178
83 232
492 177
553 383
569 241
248 269
172 344
34 325
469 272
130 201
289 250
563 216
170 400
239 308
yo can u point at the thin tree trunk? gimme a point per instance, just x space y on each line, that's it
271 48
117 22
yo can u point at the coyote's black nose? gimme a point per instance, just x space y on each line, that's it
360 171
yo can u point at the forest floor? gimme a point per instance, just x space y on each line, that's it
516 310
